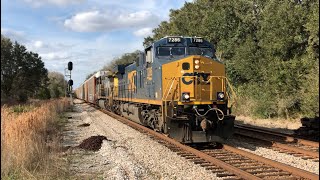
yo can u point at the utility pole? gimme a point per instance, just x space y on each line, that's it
67 73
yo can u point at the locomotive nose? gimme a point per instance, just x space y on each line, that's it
194 80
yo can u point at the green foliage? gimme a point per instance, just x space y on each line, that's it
270 48
22 108
22 72
91 74
44 93
57 85
309 92
126 58
13 175
312 27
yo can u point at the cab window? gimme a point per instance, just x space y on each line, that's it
208 52
149 56
171 51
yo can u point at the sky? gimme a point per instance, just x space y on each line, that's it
89 33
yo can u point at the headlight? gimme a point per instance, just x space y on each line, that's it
220 95
185 97
196 61
196 66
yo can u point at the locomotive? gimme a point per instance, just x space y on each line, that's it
177 86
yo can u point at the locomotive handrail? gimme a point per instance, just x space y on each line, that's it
164 109
167 92
232 91
234 96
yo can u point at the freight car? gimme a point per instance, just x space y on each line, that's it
177 86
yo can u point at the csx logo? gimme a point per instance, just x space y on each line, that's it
203 75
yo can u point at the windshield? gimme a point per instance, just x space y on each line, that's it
171 51
201 51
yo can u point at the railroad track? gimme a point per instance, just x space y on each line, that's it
280 142
228 162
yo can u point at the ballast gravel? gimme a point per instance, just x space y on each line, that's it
127 154
291 160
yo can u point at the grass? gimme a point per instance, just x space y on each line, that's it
30 140
22 108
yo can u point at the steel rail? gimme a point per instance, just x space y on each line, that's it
284 167
287 137
283 146
200 154
237 171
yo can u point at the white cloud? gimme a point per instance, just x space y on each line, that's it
38 44
46 46
55 56
133 19
14 35
92 21
136 5
144 32
38 3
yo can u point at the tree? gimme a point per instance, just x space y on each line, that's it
126 58
270 48
310 84
91 74
6 66
57 84
22 72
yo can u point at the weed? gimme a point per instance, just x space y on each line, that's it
22 108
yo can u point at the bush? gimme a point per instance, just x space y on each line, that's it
44 93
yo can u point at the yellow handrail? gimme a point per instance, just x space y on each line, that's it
164 109
232 91
167 92
234 96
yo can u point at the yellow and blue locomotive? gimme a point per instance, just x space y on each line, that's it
177 86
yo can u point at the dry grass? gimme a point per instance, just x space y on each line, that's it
289 124
27 137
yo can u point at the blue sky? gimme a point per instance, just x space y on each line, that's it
90 33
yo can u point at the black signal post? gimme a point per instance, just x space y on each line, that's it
67 73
